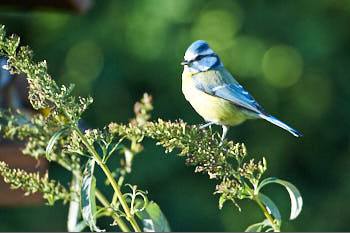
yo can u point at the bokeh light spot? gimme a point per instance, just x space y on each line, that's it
218 27
49 24
50 20
84 62
245 56
146 37
173 10
282 65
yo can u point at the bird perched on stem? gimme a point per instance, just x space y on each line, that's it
216 95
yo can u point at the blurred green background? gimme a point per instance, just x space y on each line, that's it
292 56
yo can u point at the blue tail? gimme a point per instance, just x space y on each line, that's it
280 124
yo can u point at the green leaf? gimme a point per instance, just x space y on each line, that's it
222 200
88 201
153 219
258 227
294 194
270 205
52 142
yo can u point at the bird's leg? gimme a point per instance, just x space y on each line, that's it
206 125
224 132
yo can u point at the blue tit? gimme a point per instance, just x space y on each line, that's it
216 95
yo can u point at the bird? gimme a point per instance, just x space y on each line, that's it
216 95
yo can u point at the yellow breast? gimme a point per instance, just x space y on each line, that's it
211 108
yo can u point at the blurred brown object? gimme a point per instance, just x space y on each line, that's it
70 5
14 95
11 154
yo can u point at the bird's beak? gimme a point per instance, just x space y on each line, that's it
185 62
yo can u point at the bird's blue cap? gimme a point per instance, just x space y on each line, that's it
200 57
199 47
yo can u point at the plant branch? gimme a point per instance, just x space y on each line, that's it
111 179
105 203
74 206
263 208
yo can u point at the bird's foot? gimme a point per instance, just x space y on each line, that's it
206 125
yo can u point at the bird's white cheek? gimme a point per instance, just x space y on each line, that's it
190 70
200 66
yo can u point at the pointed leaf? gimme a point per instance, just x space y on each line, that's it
53 141
222 200
153 219
270 205
258 227
294 194
88 201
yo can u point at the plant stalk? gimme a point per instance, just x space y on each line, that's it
74 206
263 208
105 203
111 179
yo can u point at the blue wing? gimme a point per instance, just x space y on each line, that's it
221 84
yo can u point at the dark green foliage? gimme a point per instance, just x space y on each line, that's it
59 136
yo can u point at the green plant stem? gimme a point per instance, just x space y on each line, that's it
111 179
120 183
105 203
74 206
263 208
64 164
126 168
121 198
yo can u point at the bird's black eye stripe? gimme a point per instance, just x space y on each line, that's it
198 57
201 56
